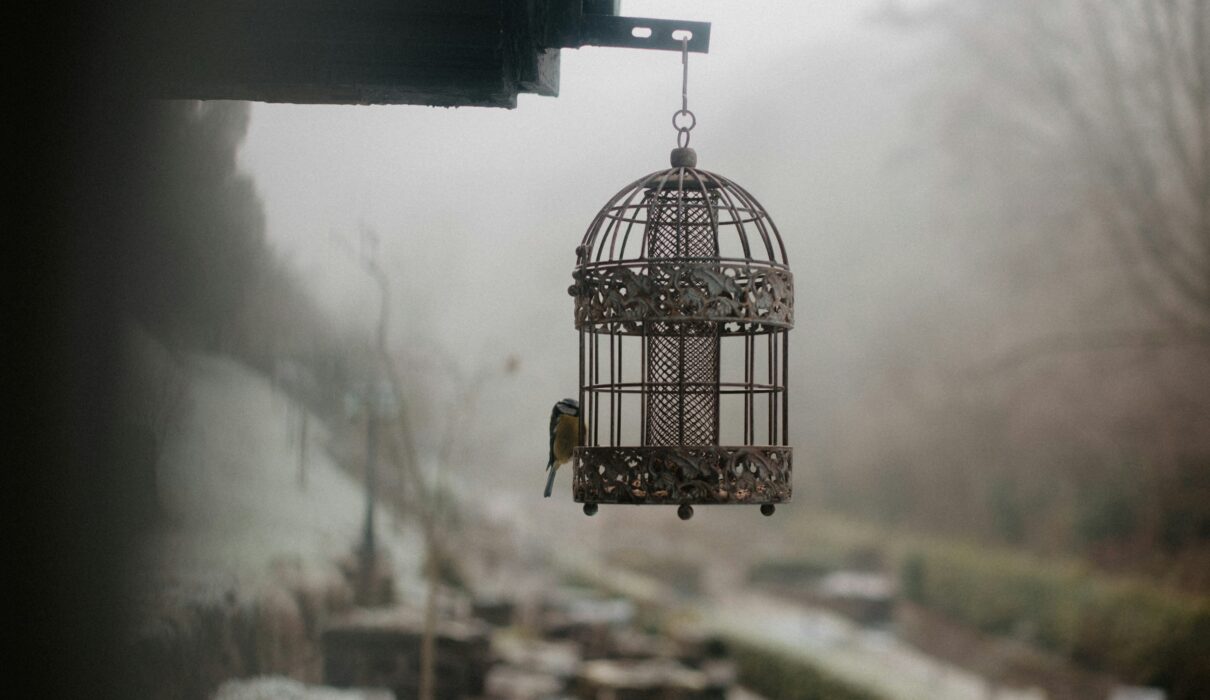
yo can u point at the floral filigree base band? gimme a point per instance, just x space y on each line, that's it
676 475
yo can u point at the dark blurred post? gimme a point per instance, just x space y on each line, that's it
374 399
371 477
302 452
433 528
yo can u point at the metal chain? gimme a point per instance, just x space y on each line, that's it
683 128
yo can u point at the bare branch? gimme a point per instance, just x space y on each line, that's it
1152 225
1200 21
1146 287
1085 342
1115 99
1162 44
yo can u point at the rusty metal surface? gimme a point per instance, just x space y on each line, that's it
743 297
698 474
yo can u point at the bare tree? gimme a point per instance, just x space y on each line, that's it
1105 108
452 446
426 497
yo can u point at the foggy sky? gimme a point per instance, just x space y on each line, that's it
807 105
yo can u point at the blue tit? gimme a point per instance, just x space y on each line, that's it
564 435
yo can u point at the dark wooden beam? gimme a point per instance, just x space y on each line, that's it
432 52
451 53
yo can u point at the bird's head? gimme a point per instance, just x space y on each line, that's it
566 407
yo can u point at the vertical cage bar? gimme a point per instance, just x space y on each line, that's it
644 439
751 386
747 393
770 435
718 373
620 382
752 383
581 438
612 387
680 388
596 392
777 399
785 387
586 402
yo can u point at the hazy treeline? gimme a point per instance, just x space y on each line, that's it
199 276
1057 401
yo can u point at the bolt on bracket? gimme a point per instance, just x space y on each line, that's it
643 33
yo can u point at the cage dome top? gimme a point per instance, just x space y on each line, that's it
683 245
741 227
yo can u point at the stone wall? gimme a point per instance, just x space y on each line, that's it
185 650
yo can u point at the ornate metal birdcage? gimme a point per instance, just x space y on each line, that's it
683 301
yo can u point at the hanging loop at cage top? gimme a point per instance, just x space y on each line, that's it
683 127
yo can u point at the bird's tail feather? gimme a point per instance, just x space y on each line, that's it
550 480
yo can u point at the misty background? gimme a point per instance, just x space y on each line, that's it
970 351
478 211
998 219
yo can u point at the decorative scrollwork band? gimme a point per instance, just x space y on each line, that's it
741 297
674 475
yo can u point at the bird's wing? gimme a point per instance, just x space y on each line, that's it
554 422
565 438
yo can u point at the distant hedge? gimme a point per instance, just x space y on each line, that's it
788 571
1138 632
777 674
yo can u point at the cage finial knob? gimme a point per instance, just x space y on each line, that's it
684 157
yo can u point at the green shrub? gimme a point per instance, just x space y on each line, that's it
1138 632
776 674
788 571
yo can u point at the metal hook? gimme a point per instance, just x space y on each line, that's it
684 73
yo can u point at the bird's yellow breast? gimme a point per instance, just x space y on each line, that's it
567 434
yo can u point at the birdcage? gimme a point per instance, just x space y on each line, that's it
683 301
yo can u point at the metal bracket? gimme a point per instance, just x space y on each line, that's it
642 33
